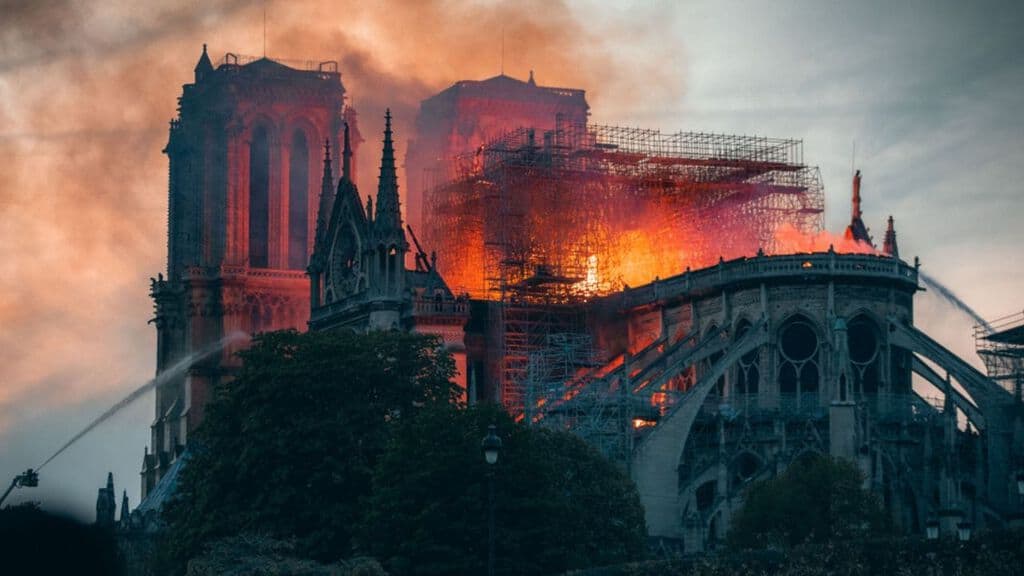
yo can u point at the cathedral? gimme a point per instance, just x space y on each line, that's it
697 383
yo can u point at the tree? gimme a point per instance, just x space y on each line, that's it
559 504
288 447
816 500
43 542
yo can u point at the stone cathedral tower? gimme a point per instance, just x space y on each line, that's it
243 193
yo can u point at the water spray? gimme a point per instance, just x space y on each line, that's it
948 295
174 371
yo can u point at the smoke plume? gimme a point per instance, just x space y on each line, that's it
87 89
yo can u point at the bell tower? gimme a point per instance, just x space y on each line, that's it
243 192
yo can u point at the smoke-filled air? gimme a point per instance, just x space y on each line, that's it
87 91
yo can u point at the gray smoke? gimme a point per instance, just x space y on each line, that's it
174 371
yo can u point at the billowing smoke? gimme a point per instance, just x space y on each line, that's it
87 89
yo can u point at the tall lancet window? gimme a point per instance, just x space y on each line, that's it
298 203
259 197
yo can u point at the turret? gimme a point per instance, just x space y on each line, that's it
105 504
203 67
889 246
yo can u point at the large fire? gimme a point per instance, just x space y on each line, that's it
587 210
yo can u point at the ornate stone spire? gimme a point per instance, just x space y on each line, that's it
388 215
124 510
326 194
346 156
889 245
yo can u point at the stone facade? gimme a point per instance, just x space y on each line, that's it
242 206
358 275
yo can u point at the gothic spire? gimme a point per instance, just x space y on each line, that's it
388 211
326 193
889 245
124 510
346 155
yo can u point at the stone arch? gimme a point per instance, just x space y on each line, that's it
658 459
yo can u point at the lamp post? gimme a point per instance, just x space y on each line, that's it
27 479
491 446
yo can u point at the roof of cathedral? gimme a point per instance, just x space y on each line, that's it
504 86
429 281
164 489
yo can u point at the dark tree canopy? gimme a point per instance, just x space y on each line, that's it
559 504
41 542
288 447
817 499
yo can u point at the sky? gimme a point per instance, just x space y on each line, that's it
925 96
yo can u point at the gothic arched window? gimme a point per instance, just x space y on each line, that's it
799 356
298 202
259 197
862 339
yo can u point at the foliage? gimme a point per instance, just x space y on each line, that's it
287 448
558 503
998 553
817 499
254 555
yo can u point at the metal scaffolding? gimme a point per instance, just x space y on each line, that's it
1000 344
543 222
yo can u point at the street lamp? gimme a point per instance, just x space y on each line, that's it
963 531
931 529
491 446
27 479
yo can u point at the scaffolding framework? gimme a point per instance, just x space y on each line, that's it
1000 344
542 222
